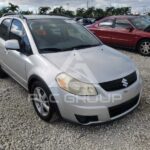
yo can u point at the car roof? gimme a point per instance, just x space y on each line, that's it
122 17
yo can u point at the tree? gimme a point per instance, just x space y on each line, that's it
26 12
69 13
13 8
44 10
118 11
80 12
62 11
90 12
110 11
58 11
127 10
4 10
99 13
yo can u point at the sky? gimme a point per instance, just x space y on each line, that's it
137 5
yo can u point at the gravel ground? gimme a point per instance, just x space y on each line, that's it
21 129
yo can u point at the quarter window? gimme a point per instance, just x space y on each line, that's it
4 28
17 32
106 23
122 23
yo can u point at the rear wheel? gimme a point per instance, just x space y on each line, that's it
2 73
43 102
144 47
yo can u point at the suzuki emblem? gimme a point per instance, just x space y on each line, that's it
124 82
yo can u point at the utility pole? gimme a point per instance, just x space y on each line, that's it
87 4
110 3
68 6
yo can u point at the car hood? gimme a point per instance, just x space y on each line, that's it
94 65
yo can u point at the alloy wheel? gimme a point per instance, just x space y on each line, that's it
41 101
145 48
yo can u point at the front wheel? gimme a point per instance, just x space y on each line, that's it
43 102
144 47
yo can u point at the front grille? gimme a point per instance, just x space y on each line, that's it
119 83
122 108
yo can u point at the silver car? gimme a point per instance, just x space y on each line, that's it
67 70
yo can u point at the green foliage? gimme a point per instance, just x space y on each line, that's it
26 12
13 8
91 12
44 10
98 12
81 12
58 11
3 11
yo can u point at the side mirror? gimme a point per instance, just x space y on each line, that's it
12 45
130 29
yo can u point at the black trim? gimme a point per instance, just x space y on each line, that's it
86 119
8 28
27 54
117 84
35 77
122 108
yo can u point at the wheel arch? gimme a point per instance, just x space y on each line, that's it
33 79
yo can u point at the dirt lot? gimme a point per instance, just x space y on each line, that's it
21 129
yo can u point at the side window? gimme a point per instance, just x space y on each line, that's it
4 29
17 32
122 23
106 23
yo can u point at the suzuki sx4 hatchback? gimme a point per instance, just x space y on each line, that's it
67 70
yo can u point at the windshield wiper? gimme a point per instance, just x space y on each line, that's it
48 50
83 46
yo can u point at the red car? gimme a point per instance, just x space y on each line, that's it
124 31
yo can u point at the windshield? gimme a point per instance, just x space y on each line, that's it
140 22
55 35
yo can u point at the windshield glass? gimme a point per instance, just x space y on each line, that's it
55 35
140 22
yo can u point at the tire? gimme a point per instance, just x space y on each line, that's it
2 74
48 111
144 47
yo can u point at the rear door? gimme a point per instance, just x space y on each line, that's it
104 30
124 33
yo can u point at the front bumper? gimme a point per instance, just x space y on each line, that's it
97 108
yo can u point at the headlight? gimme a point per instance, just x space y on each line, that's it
74 86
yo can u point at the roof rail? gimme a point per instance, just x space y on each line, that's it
17 14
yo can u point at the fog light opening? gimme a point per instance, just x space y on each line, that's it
86 119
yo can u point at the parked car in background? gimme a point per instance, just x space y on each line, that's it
124 31
86 21
147 17
77 18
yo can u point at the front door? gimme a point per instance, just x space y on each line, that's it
104 30
15 60
123 34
